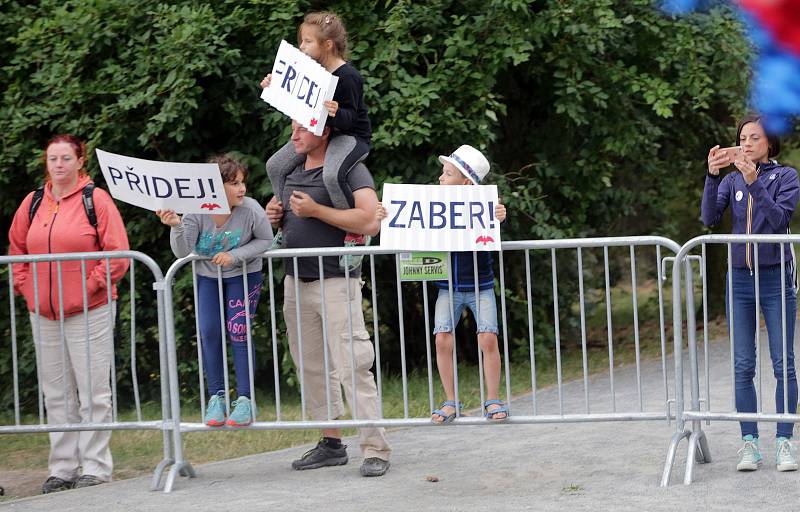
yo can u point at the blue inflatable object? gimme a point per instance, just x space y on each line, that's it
679 6
776 71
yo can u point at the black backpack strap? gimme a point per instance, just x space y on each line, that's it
38 194
88 206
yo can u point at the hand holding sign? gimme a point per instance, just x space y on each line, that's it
500 211
169 217
380 212
302 89
332 106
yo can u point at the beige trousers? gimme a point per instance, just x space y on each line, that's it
70 397
364 401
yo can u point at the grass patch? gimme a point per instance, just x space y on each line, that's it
572 489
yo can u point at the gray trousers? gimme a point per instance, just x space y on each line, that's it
75 374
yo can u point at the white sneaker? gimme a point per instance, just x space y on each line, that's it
784 455
749 455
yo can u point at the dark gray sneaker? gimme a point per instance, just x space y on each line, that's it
320 456
88 481
373 466
55 484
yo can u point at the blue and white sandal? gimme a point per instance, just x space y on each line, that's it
500 410
446 418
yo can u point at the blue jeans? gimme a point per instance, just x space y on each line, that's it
488 310
744 328
236 327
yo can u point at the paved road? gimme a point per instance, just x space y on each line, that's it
602 466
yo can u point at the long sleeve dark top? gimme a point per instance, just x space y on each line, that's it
352 117
764 207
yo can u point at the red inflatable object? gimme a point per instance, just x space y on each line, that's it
781 17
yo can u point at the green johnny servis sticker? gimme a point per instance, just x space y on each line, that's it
423 266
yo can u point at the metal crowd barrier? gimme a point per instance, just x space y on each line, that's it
625 396
33 418
701 406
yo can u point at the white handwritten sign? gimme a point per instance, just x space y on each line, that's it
440 218
183 187
299 88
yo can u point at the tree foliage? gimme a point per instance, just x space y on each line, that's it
596 114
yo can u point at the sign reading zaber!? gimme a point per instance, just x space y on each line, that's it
299 88
183 187
440 218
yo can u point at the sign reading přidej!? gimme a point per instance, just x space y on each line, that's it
440 218
183 187
299 88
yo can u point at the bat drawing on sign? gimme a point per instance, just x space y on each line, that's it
210 206
485 239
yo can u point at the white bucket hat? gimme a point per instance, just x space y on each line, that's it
469 161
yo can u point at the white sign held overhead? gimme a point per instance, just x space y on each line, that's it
300 87
440 218
183 187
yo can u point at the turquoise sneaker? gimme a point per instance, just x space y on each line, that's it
215 410
749 454
242 414
785 455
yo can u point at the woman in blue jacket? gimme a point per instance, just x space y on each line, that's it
762 197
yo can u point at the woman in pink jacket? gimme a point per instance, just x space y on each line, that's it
61 224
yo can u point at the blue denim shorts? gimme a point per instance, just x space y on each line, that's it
486 320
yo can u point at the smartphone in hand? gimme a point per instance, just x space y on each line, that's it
731 152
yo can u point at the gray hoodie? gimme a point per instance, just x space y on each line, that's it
244 236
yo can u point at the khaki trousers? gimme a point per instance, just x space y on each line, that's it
70 397
364 401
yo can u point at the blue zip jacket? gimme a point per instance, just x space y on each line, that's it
765 208
464 274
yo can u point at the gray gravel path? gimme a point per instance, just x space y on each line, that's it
601 466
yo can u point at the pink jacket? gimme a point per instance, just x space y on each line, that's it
62 226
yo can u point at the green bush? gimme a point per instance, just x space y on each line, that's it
596 114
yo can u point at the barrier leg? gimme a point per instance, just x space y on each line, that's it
183 468
696 452
180 466
173 471
155 484
677 437
169 452
702 441
691 453
186 469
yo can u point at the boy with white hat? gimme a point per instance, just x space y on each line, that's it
466 166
